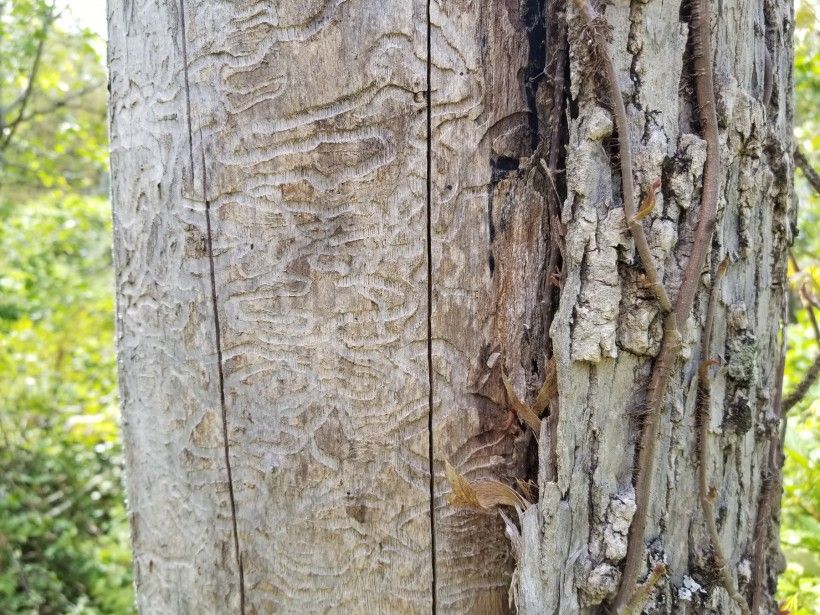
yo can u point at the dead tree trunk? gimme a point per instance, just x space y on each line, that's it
341 225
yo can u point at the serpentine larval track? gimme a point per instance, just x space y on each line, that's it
271 184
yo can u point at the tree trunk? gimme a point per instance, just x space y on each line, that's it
340 225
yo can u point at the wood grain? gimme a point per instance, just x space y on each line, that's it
377 256
300 157
177 485
489 247
312 129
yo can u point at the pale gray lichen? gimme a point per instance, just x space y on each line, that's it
596 583
598 124
619 517
689 589
741 351
596 309
640 329
664 238
744 571
648 158
738 318
738 412
597 570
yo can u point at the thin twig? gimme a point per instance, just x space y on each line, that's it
62 103
804 165
805 385
810 377
707 493
48 19
809 303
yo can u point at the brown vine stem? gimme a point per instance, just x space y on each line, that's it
707 493
676 318
671 337
644 590
670 345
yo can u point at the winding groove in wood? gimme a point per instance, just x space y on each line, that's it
177 493
318 202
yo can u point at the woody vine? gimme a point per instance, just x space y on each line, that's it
676 307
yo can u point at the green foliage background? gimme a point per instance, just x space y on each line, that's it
64 542
800 515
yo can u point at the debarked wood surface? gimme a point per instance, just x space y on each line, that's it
299 134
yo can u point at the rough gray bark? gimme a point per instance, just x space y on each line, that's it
338 222
607 327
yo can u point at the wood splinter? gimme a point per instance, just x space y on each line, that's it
531 414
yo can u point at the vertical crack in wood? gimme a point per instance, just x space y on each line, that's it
214 306
556 55
429 245
222 405
536 33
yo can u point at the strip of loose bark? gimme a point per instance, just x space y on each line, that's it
771 486
625 154
521 409
768 79
707 493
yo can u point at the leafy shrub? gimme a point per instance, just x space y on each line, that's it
63 528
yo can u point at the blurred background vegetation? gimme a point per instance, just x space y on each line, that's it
64 540
800 517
